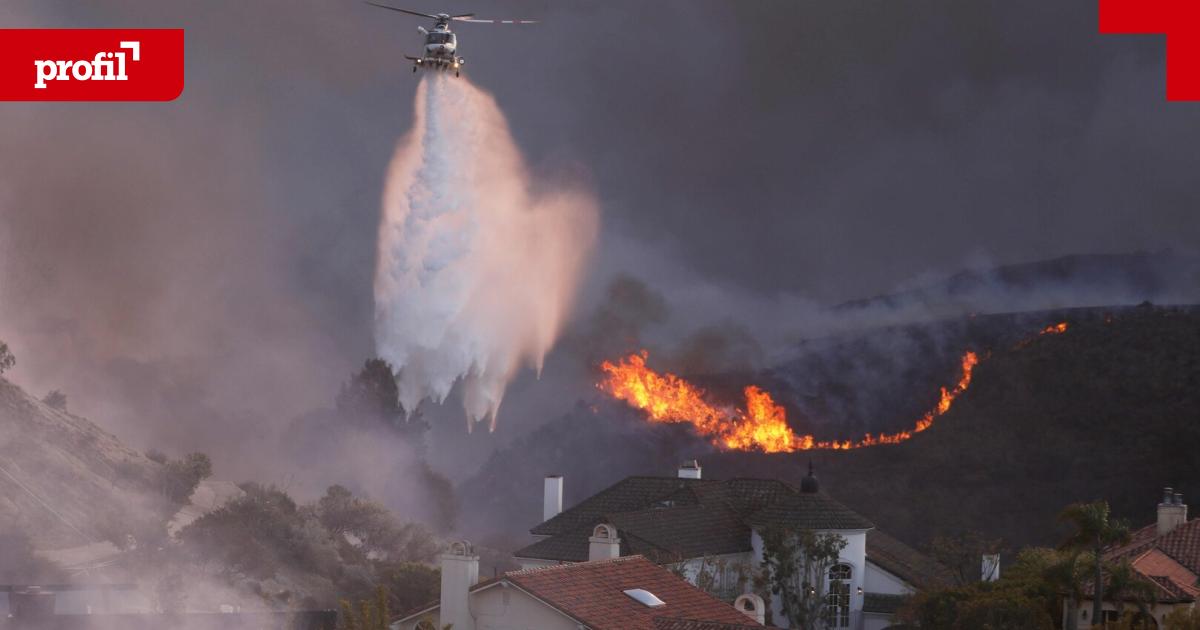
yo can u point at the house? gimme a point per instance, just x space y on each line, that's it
627 593
1165 555
711 532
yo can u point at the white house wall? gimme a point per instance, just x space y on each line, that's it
506 608
500 608
879 580
855 555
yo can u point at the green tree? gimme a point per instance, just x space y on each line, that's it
1008 609
961 554
7 360
796 565
1125 583
259 533
372 396
1095 530
55 400
180 477
372 614
1067 575
410 584
372 392
376 532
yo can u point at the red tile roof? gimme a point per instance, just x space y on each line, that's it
1171 561
593 593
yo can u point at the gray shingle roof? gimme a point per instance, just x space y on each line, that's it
905 562
629 494
667 518
808 510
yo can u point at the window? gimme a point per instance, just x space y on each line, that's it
645 598
837 596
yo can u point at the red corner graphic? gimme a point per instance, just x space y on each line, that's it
1179 20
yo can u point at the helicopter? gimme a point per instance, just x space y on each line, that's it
441 45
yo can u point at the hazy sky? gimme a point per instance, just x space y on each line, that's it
826 149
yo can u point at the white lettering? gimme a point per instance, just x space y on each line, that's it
105 66
45 70
77 70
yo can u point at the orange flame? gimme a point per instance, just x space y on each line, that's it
1055 329
761 426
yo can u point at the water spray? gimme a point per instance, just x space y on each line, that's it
476 269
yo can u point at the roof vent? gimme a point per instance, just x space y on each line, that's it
645 598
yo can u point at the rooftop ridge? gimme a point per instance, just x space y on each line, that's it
569 565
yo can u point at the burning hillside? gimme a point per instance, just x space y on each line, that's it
759 424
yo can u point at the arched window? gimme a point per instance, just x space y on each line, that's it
837 596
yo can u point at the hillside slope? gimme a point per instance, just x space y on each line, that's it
1108 409
65 481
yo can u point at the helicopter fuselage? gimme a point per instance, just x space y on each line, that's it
441 50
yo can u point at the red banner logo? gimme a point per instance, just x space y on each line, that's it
91 64
1179 20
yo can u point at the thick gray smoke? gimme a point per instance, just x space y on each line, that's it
477 266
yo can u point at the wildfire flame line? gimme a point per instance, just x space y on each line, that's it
762 424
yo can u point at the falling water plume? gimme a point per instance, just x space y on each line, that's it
478 263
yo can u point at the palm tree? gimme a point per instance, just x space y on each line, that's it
1124 582
1065 576
1094 532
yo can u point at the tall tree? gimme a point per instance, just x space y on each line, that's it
1095 530
796 564
372 392
372 396
1125 583
1065 575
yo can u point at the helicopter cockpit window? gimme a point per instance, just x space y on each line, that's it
440 38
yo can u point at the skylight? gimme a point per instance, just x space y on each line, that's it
645 598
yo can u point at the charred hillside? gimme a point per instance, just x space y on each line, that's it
1107 409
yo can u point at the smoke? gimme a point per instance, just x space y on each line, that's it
477 265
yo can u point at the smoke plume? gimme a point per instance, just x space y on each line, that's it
477 263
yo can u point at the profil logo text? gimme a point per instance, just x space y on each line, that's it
91 65
105 66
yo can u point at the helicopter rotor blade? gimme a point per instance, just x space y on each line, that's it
472 20
462 16
417 13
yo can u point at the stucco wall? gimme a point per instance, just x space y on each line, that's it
500 608
507 608
855 555
879 580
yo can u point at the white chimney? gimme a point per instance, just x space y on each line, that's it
689 469
1172 512
991 567
752 606
460 571
552 497
603 544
